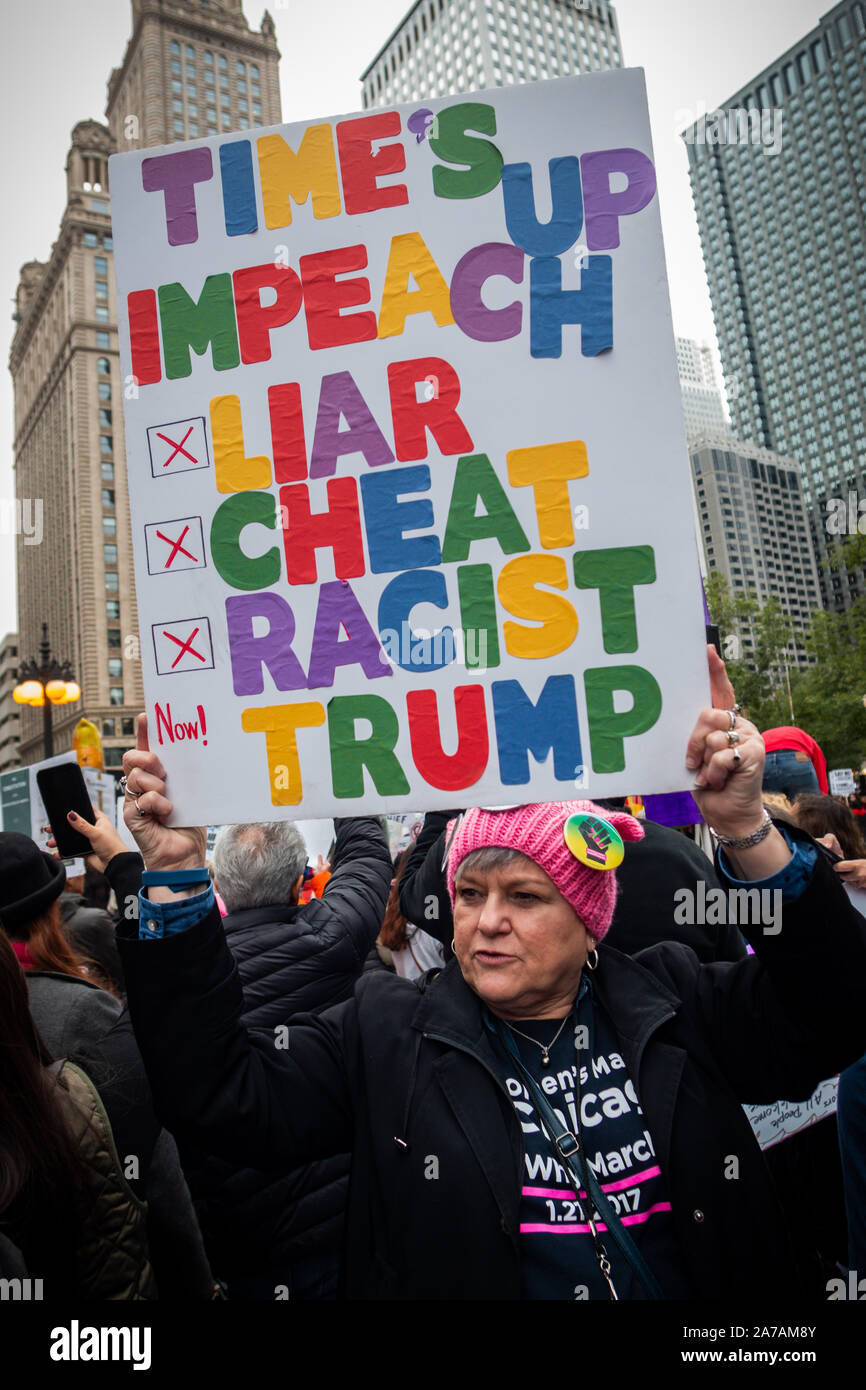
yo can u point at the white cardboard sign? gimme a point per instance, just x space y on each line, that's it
410 493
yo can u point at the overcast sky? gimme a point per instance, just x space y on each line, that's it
59 56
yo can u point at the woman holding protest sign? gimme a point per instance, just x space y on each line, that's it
541 1086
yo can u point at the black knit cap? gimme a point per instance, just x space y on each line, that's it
29 879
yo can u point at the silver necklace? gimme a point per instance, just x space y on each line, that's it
545 1050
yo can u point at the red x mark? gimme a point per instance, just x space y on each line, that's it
184 646
176 546
178 448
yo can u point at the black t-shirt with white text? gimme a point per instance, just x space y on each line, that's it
557 1252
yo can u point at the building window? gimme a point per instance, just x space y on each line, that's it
254 72
208 58
115 695
115 667
106 444
91 239
190 51
177 88
241 67
101 289
100 265
105 418
101 313
104 391
179 128
108 498
177 107
112 583
103 366
108 242
242 86
112 610
222 62
127 727
193 128
226 121
110 554
224 82
108 728
109 526
211 113
175 46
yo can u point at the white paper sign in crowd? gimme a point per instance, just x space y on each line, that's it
784 1118
410 493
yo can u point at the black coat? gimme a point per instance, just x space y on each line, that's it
293 960
651 871
402 1073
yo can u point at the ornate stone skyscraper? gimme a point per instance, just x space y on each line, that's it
192 68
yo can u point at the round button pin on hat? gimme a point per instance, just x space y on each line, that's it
593 841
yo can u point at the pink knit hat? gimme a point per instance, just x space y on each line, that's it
539 832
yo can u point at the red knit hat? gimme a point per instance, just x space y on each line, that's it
539 832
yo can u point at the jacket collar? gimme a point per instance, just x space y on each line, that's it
635 1000
247 918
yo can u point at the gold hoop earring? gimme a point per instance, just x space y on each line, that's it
591 964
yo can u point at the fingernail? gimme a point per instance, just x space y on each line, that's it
691 764
70 815
700 780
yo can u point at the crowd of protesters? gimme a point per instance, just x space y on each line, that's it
497 1067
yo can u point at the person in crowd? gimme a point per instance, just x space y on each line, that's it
794 762
463 1183
90 932
832 823
67 1215
285 1233
411 950
80 1021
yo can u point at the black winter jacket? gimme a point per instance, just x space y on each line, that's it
402 1071
293 959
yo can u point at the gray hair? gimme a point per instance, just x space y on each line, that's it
256 865
489 857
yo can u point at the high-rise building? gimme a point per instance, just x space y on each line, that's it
190 69
779 182
754 525
10 716
703 407
443 46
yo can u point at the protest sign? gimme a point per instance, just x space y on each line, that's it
410 494
841 782
773 1123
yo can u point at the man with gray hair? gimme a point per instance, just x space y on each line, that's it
272 1236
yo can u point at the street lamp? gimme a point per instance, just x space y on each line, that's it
49 679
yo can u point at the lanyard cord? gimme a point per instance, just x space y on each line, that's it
570 1151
